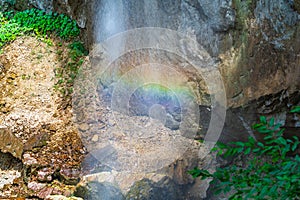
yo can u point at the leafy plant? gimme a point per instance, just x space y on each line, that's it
9 30
295 109
43 23
37 22
268 173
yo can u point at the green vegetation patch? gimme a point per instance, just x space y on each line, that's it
44 25
37 22
270 169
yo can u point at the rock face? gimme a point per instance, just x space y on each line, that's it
256 42
34 127
255 45
131 147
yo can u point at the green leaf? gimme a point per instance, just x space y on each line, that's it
277 126
281 140
280 132
263 192
256 150
295 109
251 141
263 119
295 145
247 151
214 149
255 126
271 122
264 130
268 137
196 172
260 144
241 144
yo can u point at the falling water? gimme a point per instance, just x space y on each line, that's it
141 91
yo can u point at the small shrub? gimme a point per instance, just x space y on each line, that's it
269 173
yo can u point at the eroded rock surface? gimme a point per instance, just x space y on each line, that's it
38 129
254 45
256 41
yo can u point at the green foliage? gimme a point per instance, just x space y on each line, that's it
77 49
269 173
35 21
43 23
9 30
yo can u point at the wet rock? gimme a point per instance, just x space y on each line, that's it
70 176
172 178
264 13
274 105
251 57
10 143
100 177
